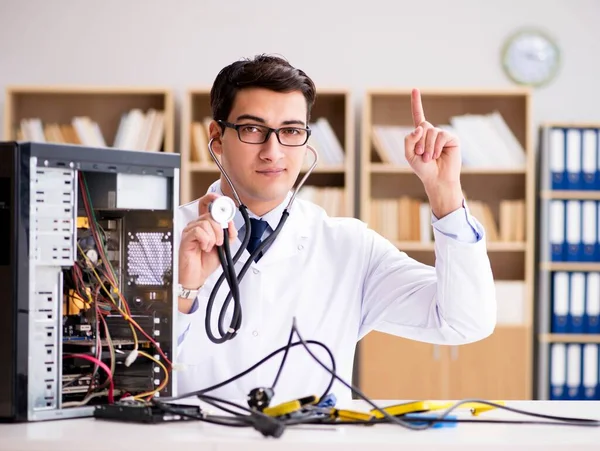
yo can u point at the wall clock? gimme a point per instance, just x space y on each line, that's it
531 58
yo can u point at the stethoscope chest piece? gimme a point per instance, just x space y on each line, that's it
222 210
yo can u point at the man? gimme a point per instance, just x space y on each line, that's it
337 277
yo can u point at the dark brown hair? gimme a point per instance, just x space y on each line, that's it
263 71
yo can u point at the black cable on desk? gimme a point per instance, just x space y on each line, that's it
274 426
406 422
256 365
355 390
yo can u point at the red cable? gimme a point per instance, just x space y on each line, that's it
111 387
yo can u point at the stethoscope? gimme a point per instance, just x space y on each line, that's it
222 211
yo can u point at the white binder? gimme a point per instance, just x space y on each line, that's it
574 230
557 159
590 370
589 229
573 370
556 230
592 303
588 159
558 370
577 302
574 158
560 302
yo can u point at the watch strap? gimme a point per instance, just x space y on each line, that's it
188 293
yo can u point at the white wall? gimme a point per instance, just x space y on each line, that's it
374 43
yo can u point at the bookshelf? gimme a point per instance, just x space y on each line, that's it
332 182
498 178
139 118
568 285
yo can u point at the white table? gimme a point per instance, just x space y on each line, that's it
88 434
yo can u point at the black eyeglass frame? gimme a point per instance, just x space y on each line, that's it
270 130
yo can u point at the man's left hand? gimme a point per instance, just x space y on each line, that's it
434 156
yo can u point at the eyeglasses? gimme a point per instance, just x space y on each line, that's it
259 134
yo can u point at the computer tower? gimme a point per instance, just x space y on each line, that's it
88 276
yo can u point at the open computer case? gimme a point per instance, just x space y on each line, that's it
87 271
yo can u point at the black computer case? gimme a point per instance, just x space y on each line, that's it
87 268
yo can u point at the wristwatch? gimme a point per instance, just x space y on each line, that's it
187 293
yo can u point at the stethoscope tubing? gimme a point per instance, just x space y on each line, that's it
228 262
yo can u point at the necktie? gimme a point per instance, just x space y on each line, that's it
258 228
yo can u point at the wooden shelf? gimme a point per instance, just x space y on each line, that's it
103 104
383 168
570 266
571 124
550 135
334 104
569 338
491 246
576 195
511 261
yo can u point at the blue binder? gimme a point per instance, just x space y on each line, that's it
558 158
574 372
597 253
592 303
589 229
558 230
597 187
590 372
574 217
558 372
589 162
560 302
574 154
575 322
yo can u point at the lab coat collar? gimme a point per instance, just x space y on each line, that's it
286 245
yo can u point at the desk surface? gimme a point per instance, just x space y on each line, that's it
90 434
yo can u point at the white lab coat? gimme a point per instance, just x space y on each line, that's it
340 280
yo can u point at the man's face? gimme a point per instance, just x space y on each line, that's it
263 173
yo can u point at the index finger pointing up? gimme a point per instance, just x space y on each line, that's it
417 107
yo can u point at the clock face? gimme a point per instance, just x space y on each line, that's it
530 58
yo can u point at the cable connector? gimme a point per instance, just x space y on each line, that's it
133 355
269 427
260 398
328 401
179 367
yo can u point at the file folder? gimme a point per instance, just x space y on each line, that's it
574 245
591 389
560 302
574 173
597 256
556 230
557 160
589 229
574 379
589 159
558 371
576 303
592 303
598 159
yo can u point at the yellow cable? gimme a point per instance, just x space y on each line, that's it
125 315
161 386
